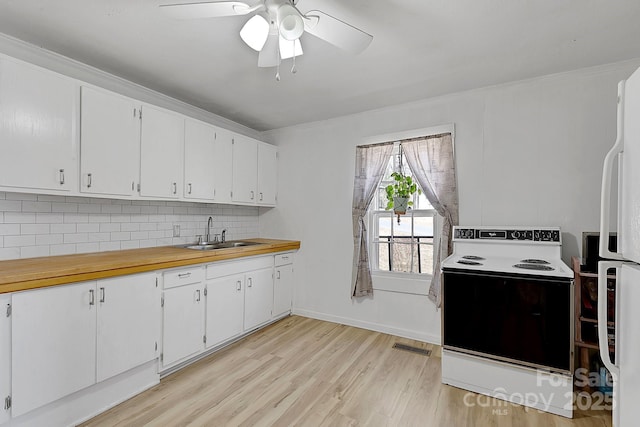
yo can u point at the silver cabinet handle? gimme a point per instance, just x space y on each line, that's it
252 195
92 297
101 294
250 284
61 176
278 276
189 188
89 180
198 298
175 188
184 275
285 258
260 196
238 285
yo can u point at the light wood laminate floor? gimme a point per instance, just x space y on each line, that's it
305 372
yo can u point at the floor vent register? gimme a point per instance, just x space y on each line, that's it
418 350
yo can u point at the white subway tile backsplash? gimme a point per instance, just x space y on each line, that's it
64 207
34 251
36 206
18 241
9 229
62 249
34 229
63 228
19 218
49 218
40 225
76 238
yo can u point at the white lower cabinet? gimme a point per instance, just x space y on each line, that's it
225 308
258 298
283 285
53 344
128 323
66 338
5 356
183 315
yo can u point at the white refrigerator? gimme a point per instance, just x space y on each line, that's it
625 369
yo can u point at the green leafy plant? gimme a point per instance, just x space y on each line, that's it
404 186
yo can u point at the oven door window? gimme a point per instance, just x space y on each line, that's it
525 320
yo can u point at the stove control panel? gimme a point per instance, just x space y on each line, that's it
527 235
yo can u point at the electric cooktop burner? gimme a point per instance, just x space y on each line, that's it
473 257
469 262
534 261
534 267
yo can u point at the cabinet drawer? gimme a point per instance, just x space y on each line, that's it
184 276
222 269
284 259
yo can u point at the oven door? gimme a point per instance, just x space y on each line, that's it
526 320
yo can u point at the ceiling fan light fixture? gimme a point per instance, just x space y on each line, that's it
255 32
290 23
289 49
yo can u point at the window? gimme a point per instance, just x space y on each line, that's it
405 246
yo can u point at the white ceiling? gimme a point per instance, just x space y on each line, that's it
420 49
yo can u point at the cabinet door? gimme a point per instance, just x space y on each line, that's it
282 290
199 160
223 166
258 298
267 174
37 128
225 308
183 320
53 344
162 139
109 143
5 355
245 169
128 323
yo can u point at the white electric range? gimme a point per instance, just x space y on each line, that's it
508 320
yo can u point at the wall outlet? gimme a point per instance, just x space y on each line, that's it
176 231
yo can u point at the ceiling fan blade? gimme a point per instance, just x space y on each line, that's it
269 55
337 32
211 9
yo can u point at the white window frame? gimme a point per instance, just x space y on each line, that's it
374 241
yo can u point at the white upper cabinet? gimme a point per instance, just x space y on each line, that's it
245 169
199 160
161 153
53 344
267 174
109 143
223 166
38 136
128 328
5 355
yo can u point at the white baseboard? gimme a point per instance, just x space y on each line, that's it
372 326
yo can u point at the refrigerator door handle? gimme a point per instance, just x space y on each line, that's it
603 339
607 172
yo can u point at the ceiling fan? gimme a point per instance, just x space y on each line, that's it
276 26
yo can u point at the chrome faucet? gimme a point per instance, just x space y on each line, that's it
224 235
208 233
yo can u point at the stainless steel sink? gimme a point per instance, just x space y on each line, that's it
213 246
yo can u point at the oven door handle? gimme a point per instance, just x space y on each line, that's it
603 339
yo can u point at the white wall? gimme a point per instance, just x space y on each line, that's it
34 225
528 153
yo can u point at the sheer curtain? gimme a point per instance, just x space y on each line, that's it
432 163
371 162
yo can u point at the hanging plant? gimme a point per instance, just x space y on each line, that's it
399 193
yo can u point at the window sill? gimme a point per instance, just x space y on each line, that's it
406 283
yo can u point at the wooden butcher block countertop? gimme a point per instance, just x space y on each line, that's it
31 273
